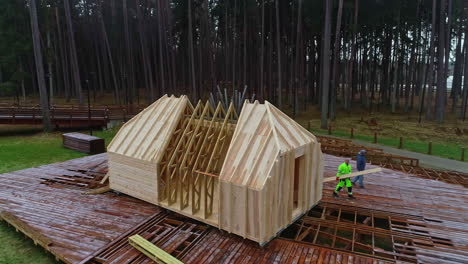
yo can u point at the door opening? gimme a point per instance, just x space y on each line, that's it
298 171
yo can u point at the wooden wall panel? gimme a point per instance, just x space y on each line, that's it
252 165
134 177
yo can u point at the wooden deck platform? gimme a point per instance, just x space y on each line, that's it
421 220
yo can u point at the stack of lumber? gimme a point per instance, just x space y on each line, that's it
84 143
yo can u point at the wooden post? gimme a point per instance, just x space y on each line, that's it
400 146
463 154
352 132
329 130
429 151
375 137
308 125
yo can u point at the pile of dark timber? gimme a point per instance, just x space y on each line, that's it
84 143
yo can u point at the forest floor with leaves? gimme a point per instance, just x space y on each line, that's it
447 139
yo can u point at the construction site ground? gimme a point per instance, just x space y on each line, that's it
396 218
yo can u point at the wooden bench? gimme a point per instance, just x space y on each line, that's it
84 143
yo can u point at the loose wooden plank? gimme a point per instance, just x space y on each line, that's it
98 190
152 251
375 170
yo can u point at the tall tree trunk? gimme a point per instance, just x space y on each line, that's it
412 66
23 87
129 55
298 59
73 56
441 77
465 80
350 96
226 42
448 43
326 65
336 58
147 69
278 53
234 36
50 70
458 71
430 82
63 56
172 49
245 45
262 50
161 31
39 66
423 69
395 74
109 54
192 60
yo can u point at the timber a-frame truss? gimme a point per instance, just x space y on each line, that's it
210 159
195 158
172 169
170 149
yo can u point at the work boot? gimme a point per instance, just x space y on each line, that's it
335 195
350 196
362 187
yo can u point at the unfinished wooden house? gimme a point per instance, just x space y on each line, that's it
251 174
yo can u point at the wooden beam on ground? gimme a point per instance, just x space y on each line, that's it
152 251
98 190
105 179
375 170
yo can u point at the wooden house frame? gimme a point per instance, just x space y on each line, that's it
251 174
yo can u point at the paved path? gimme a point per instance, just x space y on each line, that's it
424 159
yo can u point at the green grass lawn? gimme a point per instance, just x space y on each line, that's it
26 151
448 150
29 149
15 248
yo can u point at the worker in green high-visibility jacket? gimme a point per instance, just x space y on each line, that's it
343 169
